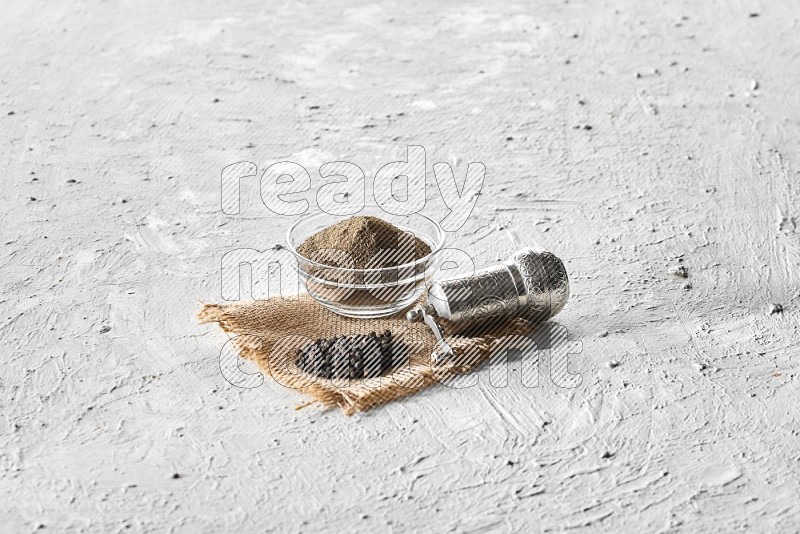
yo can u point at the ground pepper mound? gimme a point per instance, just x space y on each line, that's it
363 242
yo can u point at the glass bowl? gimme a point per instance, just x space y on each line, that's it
370 292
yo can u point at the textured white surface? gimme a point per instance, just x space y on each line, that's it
692 153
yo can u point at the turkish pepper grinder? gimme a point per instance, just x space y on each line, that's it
532 283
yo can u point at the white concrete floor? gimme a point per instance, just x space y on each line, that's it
117 118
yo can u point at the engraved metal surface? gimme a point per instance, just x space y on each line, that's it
531 281
489 292
545 279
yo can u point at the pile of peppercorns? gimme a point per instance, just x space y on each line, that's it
358 356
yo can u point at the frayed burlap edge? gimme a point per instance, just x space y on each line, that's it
267 331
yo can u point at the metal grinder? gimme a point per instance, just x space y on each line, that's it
532 283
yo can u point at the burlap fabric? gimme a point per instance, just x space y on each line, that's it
269 331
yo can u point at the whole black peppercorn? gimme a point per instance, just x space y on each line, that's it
352 357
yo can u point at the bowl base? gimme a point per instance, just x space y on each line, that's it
367 312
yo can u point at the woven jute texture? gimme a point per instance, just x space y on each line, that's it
268 332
